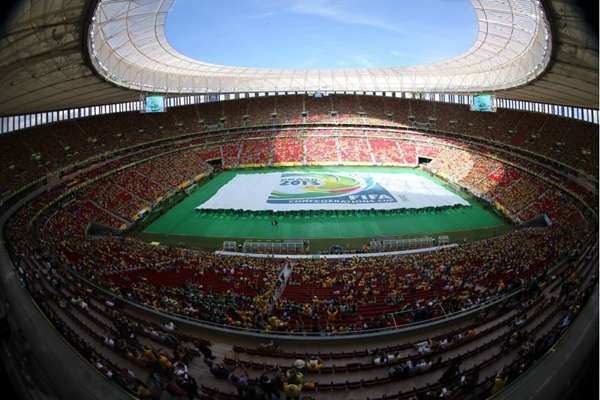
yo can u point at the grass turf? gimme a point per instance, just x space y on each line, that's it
184 225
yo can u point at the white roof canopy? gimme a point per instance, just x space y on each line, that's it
45 61
128 47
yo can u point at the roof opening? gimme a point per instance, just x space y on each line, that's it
321 33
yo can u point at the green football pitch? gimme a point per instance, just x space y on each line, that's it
183 225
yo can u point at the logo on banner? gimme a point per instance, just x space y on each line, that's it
321 188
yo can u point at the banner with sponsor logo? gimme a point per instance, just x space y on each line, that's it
298 190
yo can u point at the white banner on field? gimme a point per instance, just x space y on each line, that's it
288 191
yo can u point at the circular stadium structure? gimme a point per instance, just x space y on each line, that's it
178 229
512 48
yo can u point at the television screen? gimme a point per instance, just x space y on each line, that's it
483 102
154 103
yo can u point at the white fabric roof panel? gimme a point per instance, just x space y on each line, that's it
128 47
44 58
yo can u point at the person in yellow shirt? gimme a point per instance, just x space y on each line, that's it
499 383
164 362
314 365
332 314
142 391
294 376
148 356
292 391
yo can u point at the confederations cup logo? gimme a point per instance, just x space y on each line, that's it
320 188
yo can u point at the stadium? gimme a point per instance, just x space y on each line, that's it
174 228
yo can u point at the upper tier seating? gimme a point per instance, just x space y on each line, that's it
32 153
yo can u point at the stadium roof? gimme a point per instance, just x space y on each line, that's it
62 54
128 47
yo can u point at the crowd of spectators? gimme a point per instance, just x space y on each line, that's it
319 297
256 152
354 150
386 151
521 195
359 294
288 150
162 356
48 148
321 150
344 297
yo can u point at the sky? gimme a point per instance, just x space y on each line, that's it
321 33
